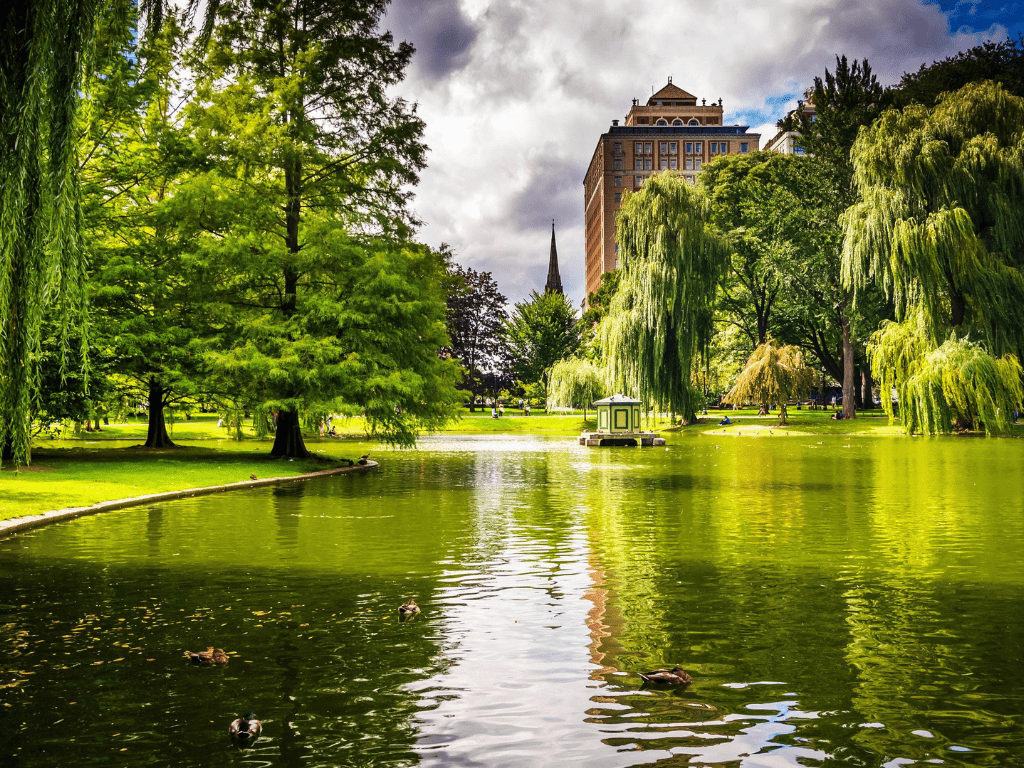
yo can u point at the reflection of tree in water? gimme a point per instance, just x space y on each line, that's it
287 504
154 529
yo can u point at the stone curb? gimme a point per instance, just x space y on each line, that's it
17 524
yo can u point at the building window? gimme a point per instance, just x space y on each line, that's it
618 146
664 147
616 247
677 121
673 164
697 164
664 163
647 148
639 147
744 147
689 163
693 121
647 164
723 149
639 180
618 181
638 164
618 197
798 150
714 147
661 122
689 147
673 147
698 147
617 165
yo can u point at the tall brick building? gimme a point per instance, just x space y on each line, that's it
671 132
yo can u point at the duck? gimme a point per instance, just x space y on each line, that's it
252 477
409 609
363 459
674 676
245 730
209 657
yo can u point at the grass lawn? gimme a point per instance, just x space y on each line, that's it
80 476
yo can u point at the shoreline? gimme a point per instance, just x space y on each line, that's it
28 522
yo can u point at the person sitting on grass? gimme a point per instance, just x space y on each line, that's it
494 412
725 422
837 416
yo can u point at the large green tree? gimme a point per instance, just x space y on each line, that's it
476 317
540 331
301 219
661 318
1001 62
845 101
940 227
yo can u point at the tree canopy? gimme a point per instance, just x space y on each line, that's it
940 227
774 373
540 331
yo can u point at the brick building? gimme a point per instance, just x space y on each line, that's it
671 132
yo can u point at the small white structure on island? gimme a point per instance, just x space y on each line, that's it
618 423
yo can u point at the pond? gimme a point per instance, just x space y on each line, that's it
839 602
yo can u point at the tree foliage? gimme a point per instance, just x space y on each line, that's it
540 331
956 384
475 318
575 382
661 318
301 221
1001 62
940 227
45 48
774 373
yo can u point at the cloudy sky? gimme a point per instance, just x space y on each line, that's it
516 93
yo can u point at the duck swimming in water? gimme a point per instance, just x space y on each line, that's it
245 730
674 676
209 657
408 610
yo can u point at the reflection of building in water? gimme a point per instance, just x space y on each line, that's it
604 621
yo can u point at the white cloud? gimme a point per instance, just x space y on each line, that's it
516 94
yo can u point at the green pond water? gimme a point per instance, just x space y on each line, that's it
849 602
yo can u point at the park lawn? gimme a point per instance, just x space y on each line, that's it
82 476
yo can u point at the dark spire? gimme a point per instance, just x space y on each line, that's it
554 283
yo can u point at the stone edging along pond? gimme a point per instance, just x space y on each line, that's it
14 525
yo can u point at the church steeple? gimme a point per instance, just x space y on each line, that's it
554 283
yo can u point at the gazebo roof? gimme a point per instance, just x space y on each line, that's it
618 399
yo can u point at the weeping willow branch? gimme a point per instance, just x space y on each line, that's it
660 320
956 385
940 227
773 374
575 382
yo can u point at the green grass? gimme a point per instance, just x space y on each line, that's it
81 476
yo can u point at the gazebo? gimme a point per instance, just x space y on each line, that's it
618 423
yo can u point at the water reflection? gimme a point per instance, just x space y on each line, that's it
841 603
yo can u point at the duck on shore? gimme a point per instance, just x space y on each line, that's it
245 730
209 657
674 676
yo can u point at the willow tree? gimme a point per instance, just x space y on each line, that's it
575 381
661 319
774 373
940 227
44 47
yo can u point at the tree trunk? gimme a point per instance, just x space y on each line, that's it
782 415
849 405
288 443
156 435
858 395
